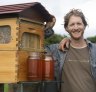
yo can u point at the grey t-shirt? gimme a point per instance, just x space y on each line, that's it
76 72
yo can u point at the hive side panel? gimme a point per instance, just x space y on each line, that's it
8 67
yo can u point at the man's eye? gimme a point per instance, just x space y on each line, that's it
71 25
79 23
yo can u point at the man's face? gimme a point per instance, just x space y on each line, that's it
75 27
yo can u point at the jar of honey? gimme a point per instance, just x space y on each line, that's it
48 67
34 67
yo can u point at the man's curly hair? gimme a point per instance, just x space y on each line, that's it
75 12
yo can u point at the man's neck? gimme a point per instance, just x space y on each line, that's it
78 43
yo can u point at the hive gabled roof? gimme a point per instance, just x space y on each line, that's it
19 8
15 7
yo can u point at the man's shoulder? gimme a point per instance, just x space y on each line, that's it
91 44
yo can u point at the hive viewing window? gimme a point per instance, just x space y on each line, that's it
5 34
30 40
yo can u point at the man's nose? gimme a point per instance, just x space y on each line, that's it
75 26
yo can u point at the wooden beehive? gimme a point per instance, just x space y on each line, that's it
21 32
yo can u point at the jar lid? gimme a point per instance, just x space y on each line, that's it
34 55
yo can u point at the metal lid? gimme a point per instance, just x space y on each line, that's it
34 55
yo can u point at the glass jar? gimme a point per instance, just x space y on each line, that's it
48 67
34 67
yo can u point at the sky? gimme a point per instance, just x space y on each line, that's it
60 8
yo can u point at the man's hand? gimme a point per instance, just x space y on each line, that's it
64 44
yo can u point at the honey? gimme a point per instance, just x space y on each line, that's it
48 68
35 67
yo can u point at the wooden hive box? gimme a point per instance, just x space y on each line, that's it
21 32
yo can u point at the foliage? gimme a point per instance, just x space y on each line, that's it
56 38
92 39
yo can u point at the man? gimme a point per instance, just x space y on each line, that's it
76 65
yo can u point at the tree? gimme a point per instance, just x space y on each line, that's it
56 38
